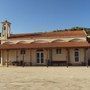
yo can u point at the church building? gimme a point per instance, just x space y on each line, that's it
43 49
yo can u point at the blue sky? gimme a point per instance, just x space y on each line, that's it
45 15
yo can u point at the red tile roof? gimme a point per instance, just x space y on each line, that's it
46 45
77 33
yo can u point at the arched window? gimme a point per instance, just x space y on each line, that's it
58 40
76 54
76 40
8 42
22 42
40 41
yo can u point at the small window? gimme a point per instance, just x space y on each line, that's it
58 51
22 51
76 54
76 59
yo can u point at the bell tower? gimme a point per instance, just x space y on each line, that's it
6 28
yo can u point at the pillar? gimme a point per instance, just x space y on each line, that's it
85 59
7 60
16 55
1 58
50 56
30 57
68 57
23 60
47 56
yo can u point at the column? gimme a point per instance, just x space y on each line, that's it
68 57
85 59
16 55
1 58
50 56
30 57
7 60
47 56
23 60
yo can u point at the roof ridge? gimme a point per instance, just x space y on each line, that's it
51 34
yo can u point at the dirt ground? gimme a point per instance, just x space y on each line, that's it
43 78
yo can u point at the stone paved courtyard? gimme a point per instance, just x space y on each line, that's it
43 78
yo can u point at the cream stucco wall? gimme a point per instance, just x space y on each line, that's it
59 57
13 56
32 57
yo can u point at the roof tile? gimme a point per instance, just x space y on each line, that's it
46 45
77 33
